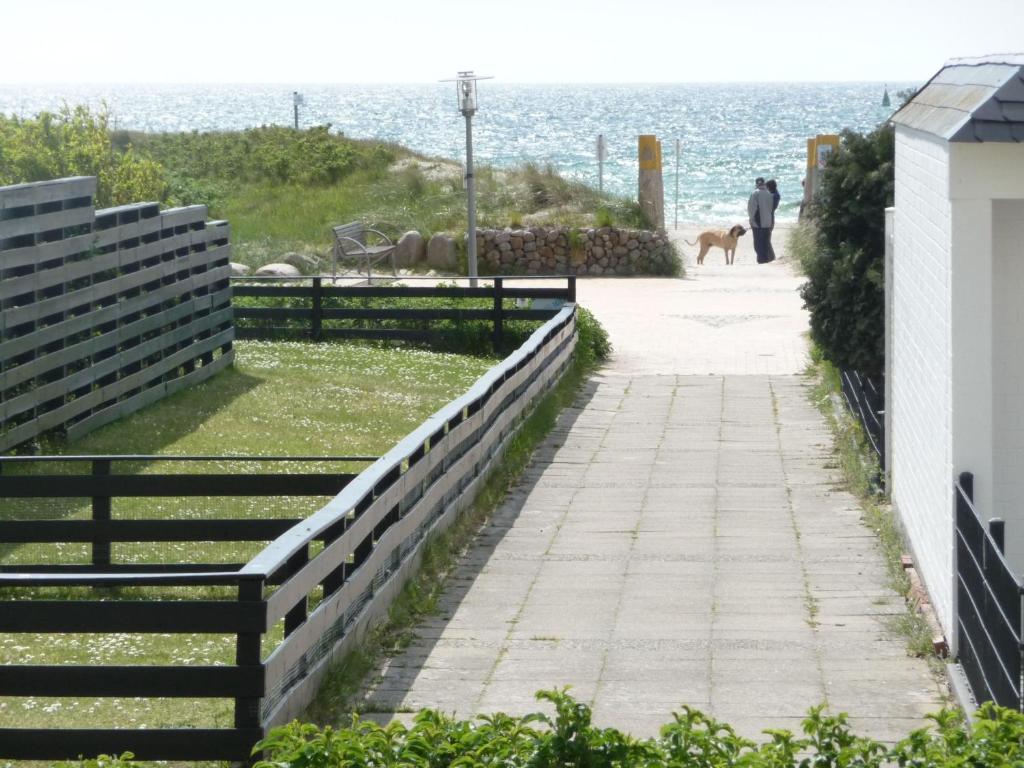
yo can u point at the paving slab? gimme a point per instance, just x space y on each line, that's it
681 538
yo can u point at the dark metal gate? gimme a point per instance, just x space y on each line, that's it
989 595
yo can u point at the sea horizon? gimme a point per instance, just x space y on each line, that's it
728 132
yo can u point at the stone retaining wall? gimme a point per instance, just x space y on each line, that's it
562 250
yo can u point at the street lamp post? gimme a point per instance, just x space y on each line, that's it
465 85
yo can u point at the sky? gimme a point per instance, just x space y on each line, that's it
520 41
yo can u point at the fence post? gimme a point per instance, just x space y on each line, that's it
571 298
101 518
318 309
997 530
499 314
967 483
247 654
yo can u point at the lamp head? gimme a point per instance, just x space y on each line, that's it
465 91
465 86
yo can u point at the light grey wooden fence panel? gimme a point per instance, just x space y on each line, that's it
103 312
42 192
297 666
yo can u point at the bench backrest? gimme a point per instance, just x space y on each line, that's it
356 231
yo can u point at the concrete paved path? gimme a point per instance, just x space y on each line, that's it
680 538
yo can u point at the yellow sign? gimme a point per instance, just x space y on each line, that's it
819 148
650 153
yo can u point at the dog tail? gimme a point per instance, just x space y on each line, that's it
689 243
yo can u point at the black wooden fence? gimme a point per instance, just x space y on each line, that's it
319 309
294 608
989 595
865 397
99 489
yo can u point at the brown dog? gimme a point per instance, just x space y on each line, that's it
724 240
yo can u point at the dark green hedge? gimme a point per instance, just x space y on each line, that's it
844 292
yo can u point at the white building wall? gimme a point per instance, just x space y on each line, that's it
988 179
1008 372
921 368
971 231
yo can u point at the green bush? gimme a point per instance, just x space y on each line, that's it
267 154
76 142
844 291
594 346
570 740
671 267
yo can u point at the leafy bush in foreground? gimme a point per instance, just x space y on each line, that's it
690 739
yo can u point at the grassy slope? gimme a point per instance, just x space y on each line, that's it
271 219
282 190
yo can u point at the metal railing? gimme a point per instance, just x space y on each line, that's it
324 310
294 608
989 595
865 397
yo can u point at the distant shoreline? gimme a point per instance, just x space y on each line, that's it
729 133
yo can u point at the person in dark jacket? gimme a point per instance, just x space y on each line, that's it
772 187
762 219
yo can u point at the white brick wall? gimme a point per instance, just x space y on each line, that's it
921 368
1008 370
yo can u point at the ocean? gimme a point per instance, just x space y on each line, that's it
729 133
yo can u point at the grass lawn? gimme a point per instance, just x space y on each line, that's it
281 398
297 398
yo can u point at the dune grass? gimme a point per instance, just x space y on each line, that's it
269 219
282 190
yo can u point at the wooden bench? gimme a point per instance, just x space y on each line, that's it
363 247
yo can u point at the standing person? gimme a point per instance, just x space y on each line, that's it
772 187
759 211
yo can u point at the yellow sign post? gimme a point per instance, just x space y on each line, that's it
651 190
824 145
819 149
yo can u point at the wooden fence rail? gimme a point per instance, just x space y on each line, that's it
314 317
369 539
103 312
